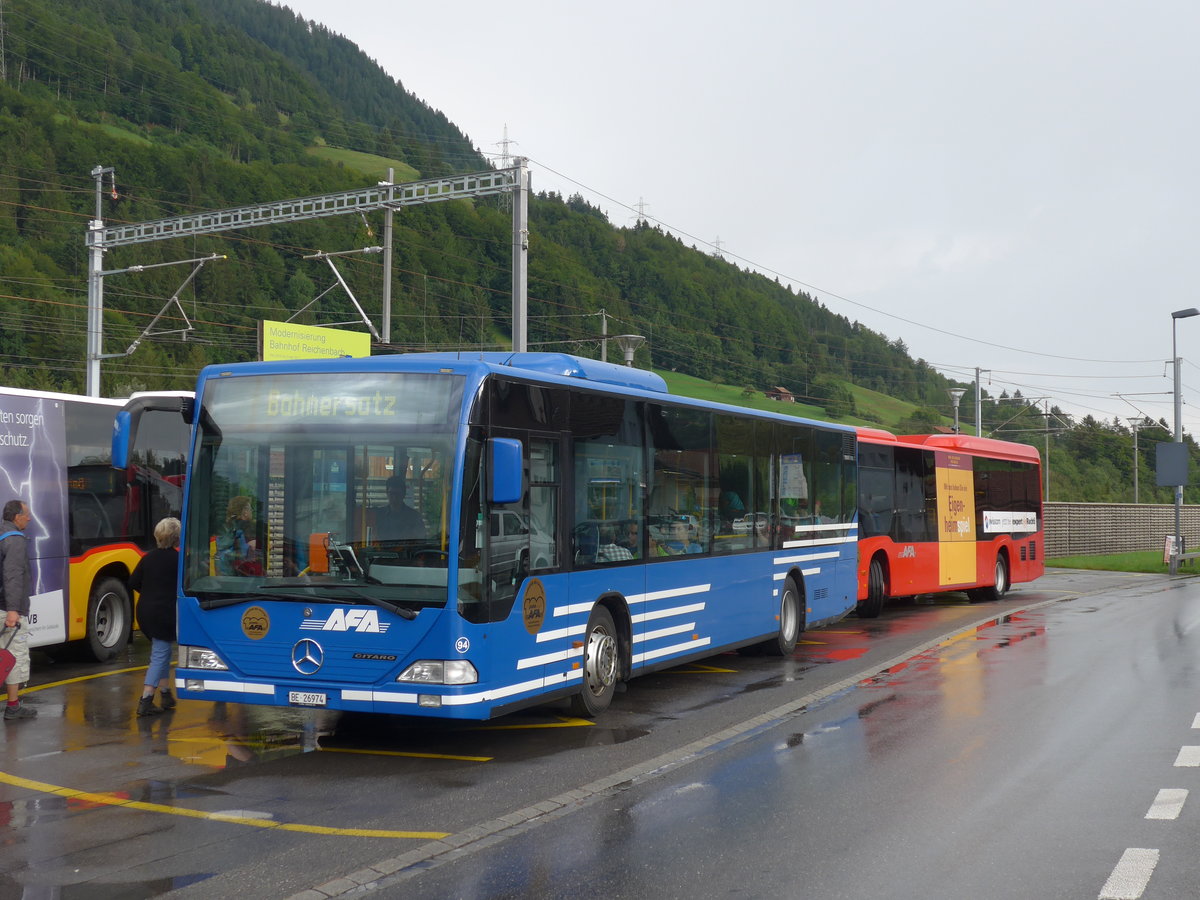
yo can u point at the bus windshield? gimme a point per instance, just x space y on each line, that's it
303 490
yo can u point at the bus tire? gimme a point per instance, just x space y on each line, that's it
998 589
601 665
791 621
109 619
876 592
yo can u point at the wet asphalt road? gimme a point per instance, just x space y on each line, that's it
1010 756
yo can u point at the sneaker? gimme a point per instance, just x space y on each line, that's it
146 707
167 699
20 711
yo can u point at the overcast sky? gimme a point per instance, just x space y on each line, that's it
1008 184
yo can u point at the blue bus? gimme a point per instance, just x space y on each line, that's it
464 535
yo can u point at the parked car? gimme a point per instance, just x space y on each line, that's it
751 522
515 541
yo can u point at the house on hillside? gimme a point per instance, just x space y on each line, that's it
780 393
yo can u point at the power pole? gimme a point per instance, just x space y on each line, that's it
95 287
978 403
386 298
504 145
3 67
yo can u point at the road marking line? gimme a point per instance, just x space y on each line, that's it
1196 721
1168 804
116 800
1188 756
1129 879
42 687
563 722
405 753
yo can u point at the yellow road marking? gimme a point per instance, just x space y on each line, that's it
563 722
695 669
114 800
42 687
404 753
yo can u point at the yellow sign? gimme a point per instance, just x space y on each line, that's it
956 518
287 340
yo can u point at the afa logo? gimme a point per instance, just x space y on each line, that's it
255 623
909 552
360 620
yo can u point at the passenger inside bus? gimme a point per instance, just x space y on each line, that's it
236 548
679 541
397 521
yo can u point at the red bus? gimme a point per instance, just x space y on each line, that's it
945 512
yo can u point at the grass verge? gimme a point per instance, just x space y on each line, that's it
1150 561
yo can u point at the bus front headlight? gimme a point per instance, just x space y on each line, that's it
200 658
440 671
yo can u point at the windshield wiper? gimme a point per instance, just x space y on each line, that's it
290 592
403 611
263 593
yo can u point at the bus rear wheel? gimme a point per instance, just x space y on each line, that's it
791 621
601 664
876 592
997 590
109 619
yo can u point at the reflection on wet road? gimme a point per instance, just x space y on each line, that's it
210 796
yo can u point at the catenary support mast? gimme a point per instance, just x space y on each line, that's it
386 196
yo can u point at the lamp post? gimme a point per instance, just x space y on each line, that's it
629 344
956 395
1135 423
1176 548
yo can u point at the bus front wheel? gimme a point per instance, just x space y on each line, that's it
109 619
601 663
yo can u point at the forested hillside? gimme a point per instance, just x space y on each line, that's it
206 104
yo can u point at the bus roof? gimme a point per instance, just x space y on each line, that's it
563 365
964 443
561 368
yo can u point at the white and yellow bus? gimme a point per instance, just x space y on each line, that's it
91 522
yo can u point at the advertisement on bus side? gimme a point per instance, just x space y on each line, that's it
33 464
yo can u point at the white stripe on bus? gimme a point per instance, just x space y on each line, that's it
664 632
559 656
631 599
668 651
666 613
806 557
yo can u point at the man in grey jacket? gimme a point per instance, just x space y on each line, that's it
15 579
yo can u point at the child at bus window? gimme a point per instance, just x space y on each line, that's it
679 541
237 554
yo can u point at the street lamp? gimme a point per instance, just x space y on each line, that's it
1135 423
1176 548
956 395
629 344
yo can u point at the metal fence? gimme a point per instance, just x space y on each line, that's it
1082 529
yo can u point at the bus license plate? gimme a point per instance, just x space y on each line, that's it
306 698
